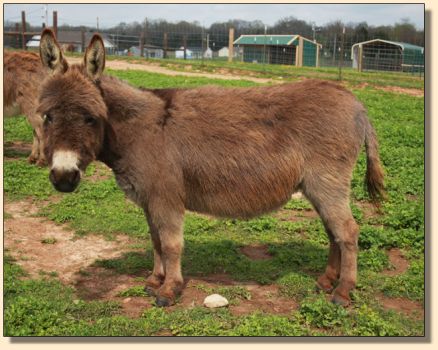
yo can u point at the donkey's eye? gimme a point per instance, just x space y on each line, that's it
47 118
90 120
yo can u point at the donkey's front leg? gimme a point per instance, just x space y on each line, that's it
156 279
169 224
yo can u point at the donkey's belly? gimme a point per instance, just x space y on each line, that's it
243 196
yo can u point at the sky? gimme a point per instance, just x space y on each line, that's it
206 14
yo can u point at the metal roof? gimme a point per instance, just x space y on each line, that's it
268 39
397 43
265 39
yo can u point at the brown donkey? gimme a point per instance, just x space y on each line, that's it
22 77
232 153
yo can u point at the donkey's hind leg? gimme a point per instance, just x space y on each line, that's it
328 279
330 197
34 154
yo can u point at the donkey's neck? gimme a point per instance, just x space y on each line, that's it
126 102
130 112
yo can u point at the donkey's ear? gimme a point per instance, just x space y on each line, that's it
50 52
94 59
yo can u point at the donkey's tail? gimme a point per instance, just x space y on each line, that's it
374 175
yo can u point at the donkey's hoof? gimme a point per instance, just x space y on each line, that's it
326 289
163 301
150 291
340 300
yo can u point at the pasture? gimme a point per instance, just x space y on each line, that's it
75 264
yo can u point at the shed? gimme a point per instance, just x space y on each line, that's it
223 52
73 41
149 51
279 49
379 54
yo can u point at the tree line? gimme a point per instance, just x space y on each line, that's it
195 35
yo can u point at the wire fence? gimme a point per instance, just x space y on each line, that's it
325 50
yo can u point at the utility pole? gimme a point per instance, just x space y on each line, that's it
23 30
97 23
55 23
47 15
264 46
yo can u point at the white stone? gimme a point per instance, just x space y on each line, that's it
297 195
215 300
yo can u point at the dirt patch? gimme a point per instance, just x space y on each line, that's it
402 90
102 172
369 210
153 68
295 215
403 305
97 283
265 298
411 197
400 263
24 237
17 149
396 89
256 252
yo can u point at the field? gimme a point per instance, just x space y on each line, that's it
75 264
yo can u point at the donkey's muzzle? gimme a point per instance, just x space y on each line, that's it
65 181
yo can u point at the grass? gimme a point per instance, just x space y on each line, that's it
144 79
44 306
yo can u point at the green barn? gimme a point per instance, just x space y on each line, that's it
291 49
387 55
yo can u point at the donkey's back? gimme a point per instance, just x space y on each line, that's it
245 151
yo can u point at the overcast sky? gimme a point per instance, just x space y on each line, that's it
206 14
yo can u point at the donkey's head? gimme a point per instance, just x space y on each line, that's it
73 111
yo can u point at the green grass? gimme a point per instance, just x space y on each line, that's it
17 129
299 249
154 81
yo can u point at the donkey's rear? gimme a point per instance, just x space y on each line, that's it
23 75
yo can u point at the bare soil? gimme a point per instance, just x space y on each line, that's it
403 305
102 172
400 263
295 215
369 210
24 235
265 298
396 89
256 252
17 148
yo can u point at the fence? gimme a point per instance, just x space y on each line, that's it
331 49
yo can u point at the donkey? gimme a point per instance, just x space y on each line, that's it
23 74
233 153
